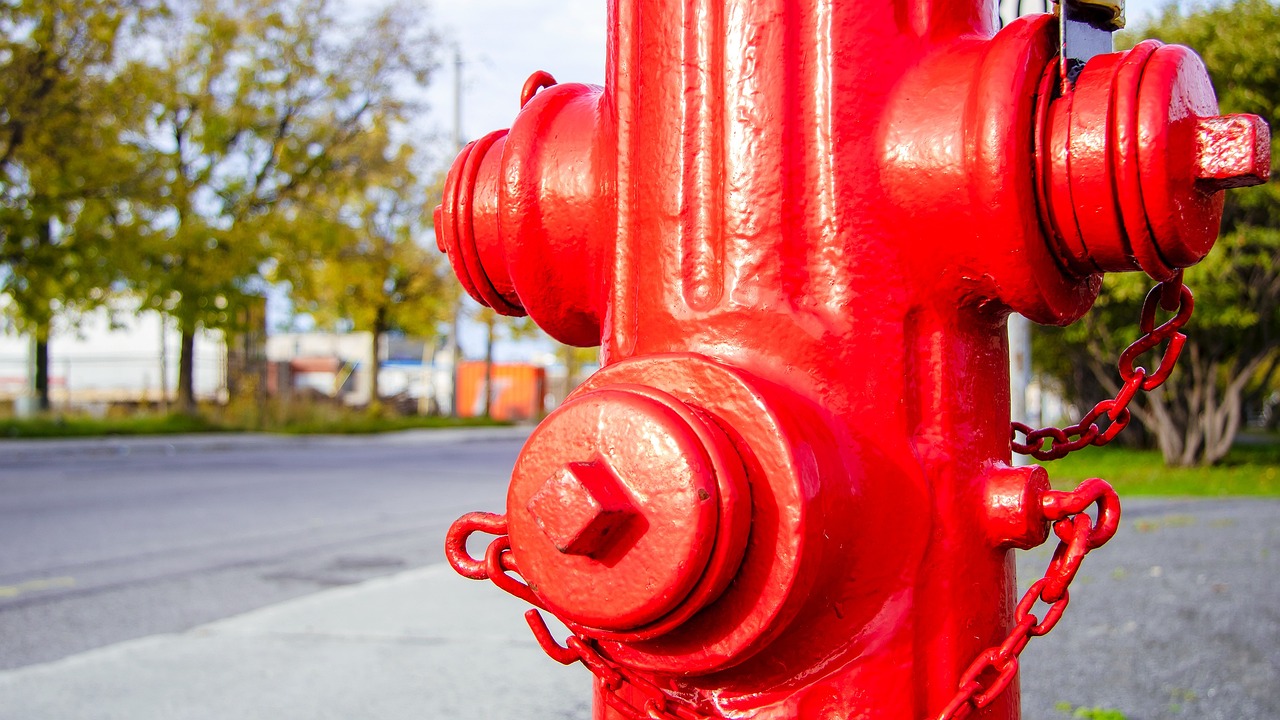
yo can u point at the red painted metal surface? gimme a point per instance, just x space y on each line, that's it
797 227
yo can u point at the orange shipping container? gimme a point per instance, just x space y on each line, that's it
518 390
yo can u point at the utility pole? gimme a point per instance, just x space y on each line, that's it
456 349
1020 376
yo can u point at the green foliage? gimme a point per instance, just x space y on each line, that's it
256 108
65 168
185 149
1231 353
365 262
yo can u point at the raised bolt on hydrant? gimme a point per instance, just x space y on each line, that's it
796 229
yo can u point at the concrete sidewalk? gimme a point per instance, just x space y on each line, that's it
422 644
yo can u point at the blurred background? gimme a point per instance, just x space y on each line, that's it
222 211
215 239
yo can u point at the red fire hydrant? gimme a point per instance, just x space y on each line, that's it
796 228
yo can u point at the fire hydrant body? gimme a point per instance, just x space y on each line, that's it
796 228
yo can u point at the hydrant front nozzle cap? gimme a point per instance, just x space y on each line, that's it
622 507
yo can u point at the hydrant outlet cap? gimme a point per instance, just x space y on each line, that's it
615 509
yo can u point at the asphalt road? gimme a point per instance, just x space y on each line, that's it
103 542
1178 617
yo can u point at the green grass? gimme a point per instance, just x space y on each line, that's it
320 423
367 424
76 426
1247 470
1085 713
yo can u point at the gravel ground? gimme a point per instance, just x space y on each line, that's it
1177 617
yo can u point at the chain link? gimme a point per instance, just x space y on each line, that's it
1172 296
659 703
499 567
994 669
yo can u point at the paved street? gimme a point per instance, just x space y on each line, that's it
1177 617
174 543
105 541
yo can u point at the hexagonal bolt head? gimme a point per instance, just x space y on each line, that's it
582 508
1233 151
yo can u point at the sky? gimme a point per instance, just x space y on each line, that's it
502 42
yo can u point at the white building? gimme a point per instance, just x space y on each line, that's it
113 354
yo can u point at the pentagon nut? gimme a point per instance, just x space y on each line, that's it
582 508
1233 151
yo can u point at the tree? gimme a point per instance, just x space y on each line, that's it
65 171
1233 345
256 107
365 263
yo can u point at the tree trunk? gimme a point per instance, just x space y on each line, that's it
1196 419
42 367
488 369
186 366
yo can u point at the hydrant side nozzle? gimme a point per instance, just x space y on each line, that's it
525 234
1133 155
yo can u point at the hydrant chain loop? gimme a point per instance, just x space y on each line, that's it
537 81
1153 336
1074 535
1060 441
455 543
1078 533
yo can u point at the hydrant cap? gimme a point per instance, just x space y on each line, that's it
615 508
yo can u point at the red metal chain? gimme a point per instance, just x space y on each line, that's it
499 566
659 703
1170 295
993 670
